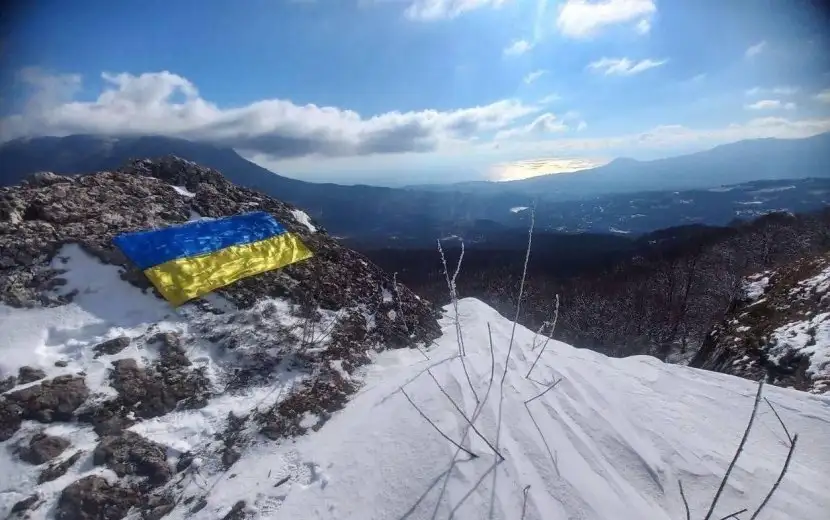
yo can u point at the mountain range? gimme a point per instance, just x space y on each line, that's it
624 196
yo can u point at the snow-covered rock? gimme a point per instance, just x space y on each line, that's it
781 331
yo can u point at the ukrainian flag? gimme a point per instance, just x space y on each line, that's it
188 260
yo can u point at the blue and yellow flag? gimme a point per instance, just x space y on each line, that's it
188 260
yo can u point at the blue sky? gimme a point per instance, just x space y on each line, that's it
409 91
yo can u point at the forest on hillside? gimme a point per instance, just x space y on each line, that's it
660 294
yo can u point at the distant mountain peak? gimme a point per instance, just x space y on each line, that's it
624 161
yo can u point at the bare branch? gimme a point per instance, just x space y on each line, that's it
480 405
454 297
460 411
737 452
521 293
780 477
544 441
547 339
444 435
685 502
734 515
790 437
546 390
524 501
401 315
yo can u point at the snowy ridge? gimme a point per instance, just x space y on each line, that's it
609 441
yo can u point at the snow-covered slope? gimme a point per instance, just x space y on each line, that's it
610 441
781 330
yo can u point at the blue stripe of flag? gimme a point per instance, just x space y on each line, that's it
150 248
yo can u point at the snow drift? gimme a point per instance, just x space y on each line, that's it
609 441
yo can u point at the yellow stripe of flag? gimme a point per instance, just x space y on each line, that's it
186 278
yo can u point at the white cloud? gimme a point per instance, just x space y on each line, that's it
430 10
533 76
624 66
779 91
164 103
550 98
770 104
583 18
756 49
670 139
581 126
518 48
48 89
543 125
824 96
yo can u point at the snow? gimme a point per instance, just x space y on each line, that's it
618 433
818 284
518 209
303 218
810 338
609 441
774 189
104 307
181 190
755 286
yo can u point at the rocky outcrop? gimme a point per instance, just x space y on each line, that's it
19 508
112 346
59 469
319 319
37 218
43 448
93 498
780 331
149 392
53 400
29 375
131 454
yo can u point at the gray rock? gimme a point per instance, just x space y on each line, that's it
237 512
93 498
25 504
43 448
112 346
11 416
29 375
58 470
7 384
45 179
52 400
131 454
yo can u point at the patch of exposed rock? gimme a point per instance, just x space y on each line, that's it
128 453
19 508
93 498
149 392
52 400
780 331
43 448
7 384
59 469
112 346
29 375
